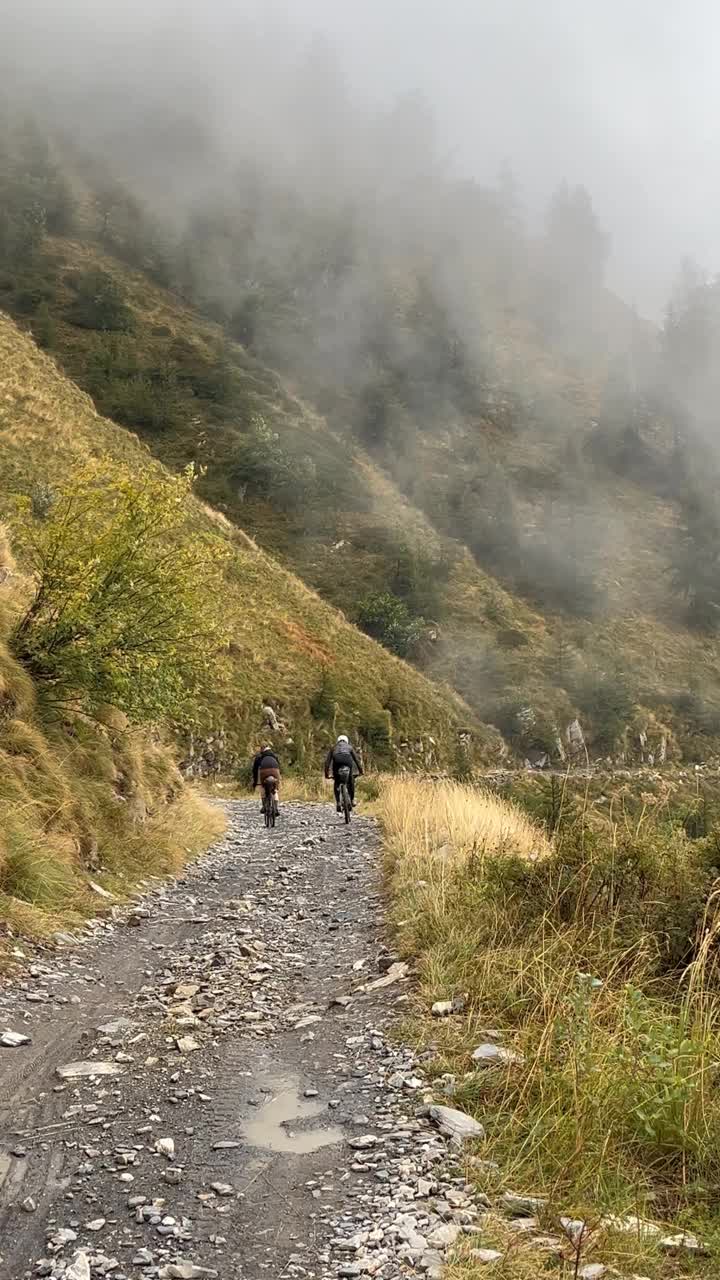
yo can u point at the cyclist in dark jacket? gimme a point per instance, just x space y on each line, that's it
343 756
266 765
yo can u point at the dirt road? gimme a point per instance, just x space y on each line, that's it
246 1114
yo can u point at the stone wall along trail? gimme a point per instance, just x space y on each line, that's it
207 1085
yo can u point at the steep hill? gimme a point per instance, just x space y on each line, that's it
311 495
510 512
287 647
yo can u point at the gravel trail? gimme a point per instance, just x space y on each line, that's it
245 1110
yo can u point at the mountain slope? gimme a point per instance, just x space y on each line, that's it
312 496
512 497
288 647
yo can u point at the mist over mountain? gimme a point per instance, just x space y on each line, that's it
619 99
414 220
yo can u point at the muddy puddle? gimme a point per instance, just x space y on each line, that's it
284 1123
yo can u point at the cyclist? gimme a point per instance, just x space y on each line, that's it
343 756
266 765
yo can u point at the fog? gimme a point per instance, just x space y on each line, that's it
620 97
411 214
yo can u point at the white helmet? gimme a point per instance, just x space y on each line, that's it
344 739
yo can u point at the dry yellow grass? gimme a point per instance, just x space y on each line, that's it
435 822
613 1094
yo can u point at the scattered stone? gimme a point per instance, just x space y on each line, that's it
116 1027
486 1255
520 1205
442 1008
592 1271
395 973
186 1044
13 1039
29 1205
630 1224
79 1268
181 1270
222 1189
494 1055
165 1147
456 1124
364 1143
444 1236
77 1070
98 889
683 1243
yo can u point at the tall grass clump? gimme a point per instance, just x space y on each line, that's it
594 957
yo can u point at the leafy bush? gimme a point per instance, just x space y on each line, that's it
324 703
388 619
125 609
607 701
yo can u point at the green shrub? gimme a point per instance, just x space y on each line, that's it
388 619
100 304
126 609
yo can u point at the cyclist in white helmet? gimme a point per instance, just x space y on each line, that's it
343 756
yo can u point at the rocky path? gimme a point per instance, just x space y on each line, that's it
210 1087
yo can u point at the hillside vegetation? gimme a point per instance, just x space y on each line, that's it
90 806
511 514
281 643
591 956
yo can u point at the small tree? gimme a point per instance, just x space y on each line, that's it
388 619
126 606
101 305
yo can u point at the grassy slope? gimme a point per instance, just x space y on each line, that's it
493 647
284 636
613 1108
83 804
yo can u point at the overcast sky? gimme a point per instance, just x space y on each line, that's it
622 95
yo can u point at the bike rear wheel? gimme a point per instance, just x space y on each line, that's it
269 806
345 802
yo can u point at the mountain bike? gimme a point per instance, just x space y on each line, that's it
269 801
344 792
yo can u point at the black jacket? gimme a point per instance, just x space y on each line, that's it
264 760
339 757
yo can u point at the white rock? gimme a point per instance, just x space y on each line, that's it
443 1236
485 1255
186 1044
455 1124
494 1055
115 1027
442 1008
97 1224
395 973
592 1271
682 1243
98 889
13 1039
165 1147
61 1237
182 1270
521 1204
79 1268
74 1070
631 1224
